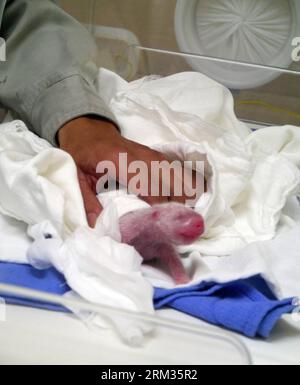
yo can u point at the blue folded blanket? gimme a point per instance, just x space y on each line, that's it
239 306
49 281
245 306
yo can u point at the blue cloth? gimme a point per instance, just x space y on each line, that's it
246 306
49 281
237 306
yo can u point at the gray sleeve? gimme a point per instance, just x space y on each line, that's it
49 77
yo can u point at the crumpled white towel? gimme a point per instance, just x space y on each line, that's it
14 241
29 164
190 117
40 196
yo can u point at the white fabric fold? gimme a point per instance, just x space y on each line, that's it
188 116
40 201
38 182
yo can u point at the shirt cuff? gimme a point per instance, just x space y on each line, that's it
65 100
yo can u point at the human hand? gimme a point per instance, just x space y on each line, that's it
91 140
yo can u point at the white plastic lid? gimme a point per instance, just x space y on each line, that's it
251 31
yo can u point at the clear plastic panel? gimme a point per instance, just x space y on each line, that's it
276 103
254 54
253 31
37 336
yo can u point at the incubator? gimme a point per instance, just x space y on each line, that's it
250 46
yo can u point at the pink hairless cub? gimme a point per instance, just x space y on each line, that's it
154 232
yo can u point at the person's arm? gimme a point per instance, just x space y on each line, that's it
49 82
50 73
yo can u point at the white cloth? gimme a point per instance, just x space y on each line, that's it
33 179
40 195
190 117
14 241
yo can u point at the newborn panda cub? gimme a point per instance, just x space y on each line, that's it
155 232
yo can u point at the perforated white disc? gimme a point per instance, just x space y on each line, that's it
251 31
